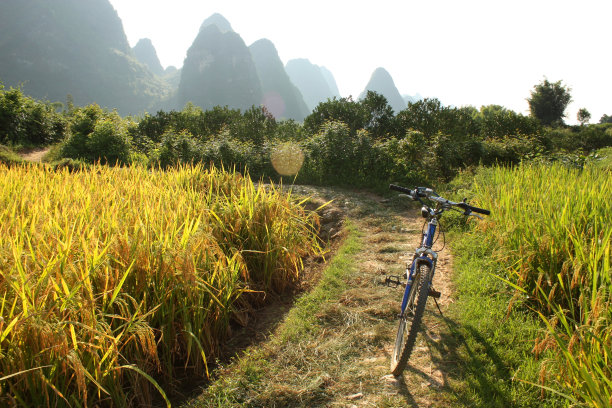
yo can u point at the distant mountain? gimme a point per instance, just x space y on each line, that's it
221 22
382 83
331 81
76 47
280 96
219 70
311 81
172 76
412 98
144 51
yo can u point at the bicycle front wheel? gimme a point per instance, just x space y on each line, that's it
410 320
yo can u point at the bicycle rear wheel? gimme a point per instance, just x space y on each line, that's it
410 321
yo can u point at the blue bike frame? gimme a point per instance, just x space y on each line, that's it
424 254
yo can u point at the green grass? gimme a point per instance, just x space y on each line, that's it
8 156
551 230
604 158
495 357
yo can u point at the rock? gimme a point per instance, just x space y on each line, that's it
354 397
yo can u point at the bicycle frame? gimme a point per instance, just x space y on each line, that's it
424 254
420 272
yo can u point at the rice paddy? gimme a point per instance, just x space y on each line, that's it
554 227
112 280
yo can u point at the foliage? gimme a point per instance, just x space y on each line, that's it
254 126
8 156
509 151
130 276
201 124
429 117
336 156
426 141
343 110
380 122
176 148
606 119
578 138
583 116
548 102
95 135
498 122
25 121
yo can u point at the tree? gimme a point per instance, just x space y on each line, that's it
548 102
379 115
338 110
583 116
606 119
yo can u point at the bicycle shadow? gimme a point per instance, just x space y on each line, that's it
456 361
403 390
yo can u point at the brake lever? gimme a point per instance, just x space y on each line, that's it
471 214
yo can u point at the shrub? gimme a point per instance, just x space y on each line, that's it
9 157
176 148
25 121
511 150
98 135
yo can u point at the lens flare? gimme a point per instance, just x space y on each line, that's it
287 158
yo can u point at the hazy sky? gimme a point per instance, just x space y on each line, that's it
463 52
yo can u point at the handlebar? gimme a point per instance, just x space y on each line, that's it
412 193
474 209
428 193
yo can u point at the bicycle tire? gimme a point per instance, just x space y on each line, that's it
408 328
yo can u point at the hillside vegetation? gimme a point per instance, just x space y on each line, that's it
343 142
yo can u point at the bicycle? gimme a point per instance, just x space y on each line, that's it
420 272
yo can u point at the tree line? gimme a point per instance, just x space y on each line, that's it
343 141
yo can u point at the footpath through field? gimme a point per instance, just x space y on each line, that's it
333 347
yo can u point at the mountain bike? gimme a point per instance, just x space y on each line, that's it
420 272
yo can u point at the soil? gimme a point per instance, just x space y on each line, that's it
35 155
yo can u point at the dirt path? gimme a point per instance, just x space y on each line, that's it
391 232
345 362
35 155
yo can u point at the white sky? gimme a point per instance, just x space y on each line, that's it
463 52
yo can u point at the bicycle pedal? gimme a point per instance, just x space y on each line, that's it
393 281
434 293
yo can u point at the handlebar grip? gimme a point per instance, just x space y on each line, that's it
480 210
400 189
475 209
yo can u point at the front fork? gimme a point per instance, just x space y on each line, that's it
423 256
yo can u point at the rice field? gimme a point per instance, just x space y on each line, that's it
554 227
112 280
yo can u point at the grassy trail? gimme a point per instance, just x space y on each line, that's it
333 348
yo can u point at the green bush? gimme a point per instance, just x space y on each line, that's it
177 148
9 157
27 122
510 150
98 135
583 138
331 155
